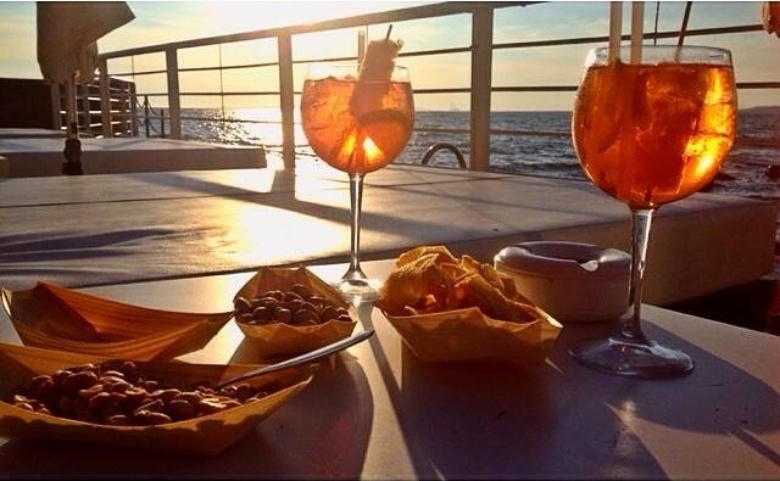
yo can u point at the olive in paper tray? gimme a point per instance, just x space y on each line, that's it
287 311
459 309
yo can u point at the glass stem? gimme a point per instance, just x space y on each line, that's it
641 220
356 203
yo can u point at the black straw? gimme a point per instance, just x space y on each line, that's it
684 25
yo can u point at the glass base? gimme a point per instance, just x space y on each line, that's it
358 290
633 359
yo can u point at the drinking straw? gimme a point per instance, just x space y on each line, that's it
615 27
655 24
361 46
637 30
684 26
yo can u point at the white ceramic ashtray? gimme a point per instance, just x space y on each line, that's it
571 281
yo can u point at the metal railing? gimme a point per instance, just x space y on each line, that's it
479 89
93 102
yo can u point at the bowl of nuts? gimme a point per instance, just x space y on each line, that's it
286 311
159 405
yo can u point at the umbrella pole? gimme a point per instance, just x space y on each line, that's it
72 152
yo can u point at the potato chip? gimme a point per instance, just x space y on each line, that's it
491 301
442 255
430 279
419 282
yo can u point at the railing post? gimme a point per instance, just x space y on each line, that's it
83 115
56 105
481 81
105 100
286 99
131 124
174 101
147 124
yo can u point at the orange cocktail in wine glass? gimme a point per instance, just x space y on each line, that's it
649 133
358 118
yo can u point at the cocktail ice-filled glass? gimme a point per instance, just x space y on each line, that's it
358 118
649 133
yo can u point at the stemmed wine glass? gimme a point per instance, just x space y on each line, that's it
356 125
648 133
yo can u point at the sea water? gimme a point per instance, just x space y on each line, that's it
750 169
746 171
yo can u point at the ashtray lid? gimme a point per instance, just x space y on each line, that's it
562 259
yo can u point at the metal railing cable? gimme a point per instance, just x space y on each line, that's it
400 15
149 115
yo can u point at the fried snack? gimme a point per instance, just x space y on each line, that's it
419 283
500 281
442 255
478 292
430 279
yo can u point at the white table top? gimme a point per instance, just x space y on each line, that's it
42 156
107 229
30 133
378 413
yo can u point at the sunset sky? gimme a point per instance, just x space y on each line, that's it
756 55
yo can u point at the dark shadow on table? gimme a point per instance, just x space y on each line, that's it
494 420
